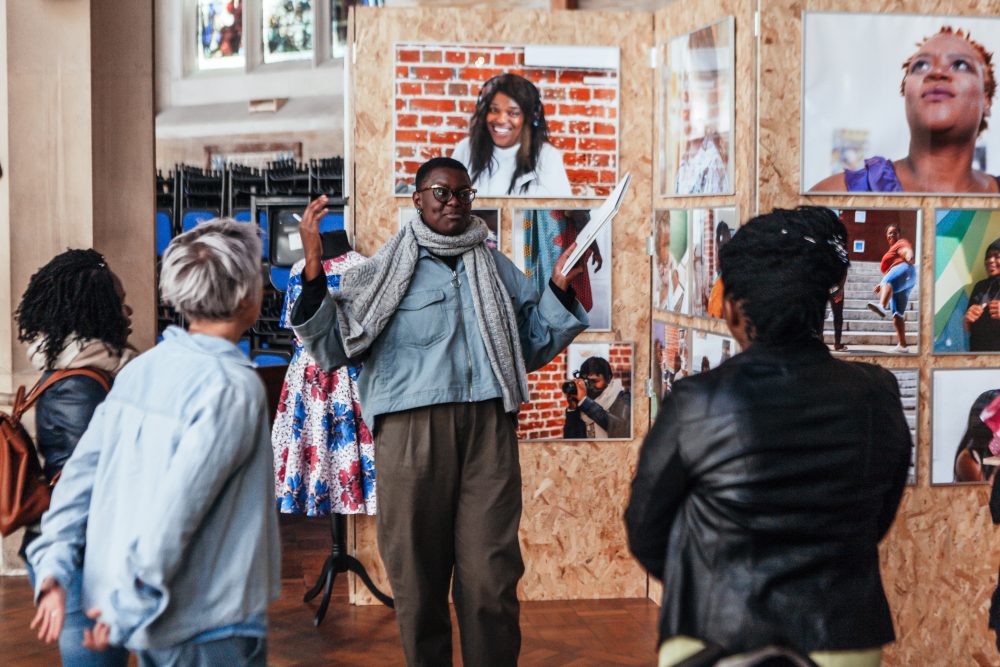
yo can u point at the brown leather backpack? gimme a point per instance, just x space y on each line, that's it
24 491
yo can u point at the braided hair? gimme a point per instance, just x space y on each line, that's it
72 295
780 267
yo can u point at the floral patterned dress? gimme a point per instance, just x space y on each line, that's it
324 456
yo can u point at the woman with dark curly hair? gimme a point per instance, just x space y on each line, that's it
948 88
765 485
73 315
507 151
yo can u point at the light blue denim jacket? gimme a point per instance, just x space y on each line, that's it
167 499
432 351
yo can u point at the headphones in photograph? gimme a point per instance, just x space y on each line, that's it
488 90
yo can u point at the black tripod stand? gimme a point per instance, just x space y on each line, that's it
340 561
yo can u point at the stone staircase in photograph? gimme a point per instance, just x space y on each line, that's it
862 326
908 394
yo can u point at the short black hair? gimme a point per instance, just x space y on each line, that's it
437 163
780 267
596 366
73 295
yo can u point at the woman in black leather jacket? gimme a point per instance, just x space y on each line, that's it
765 485
73 315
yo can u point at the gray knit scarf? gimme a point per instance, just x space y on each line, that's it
371 292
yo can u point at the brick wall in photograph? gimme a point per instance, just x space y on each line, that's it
544 416
436 87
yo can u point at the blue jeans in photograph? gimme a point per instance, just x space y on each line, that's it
71 638
901 278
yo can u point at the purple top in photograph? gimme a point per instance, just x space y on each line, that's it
878 175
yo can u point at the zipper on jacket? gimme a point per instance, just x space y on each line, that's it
461 323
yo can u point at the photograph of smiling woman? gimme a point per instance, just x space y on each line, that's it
507 151
947 91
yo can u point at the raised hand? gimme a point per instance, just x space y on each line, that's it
312 245
561 281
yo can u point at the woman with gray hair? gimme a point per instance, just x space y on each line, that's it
167 497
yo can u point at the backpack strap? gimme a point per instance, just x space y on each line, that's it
23 401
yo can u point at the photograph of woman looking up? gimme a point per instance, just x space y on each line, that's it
898 278
507 151
948 88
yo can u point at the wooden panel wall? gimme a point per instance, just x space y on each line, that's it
940 560
572 533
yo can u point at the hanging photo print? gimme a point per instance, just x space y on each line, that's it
965 425
889 101
670 360
708 350
585 393
876 310
540 235
909 382
967 281
527 121
699 98
711 228
671 261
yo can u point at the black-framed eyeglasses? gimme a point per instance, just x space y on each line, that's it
444 194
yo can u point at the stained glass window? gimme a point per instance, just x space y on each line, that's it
220 34
338 19
288 30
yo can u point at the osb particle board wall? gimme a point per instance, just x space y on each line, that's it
572 533
939 562
676 20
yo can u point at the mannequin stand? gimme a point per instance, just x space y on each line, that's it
340 561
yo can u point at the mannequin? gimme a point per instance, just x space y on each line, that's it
323 450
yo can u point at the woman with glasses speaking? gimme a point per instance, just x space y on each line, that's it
447 329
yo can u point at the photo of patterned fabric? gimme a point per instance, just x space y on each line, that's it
541 235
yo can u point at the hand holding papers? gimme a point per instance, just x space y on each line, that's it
598 218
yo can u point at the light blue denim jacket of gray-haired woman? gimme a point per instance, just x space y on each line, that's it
431 351
167 499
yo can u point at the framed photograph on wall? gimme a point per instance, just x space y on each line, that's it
965 420
671 261
966 281
697 130
909 388
708 350
585 393
670 360
877 308
526 120
540 235
888 98
711 228
491 216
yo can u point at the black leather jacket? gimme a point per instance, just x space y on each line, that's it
62 414
761 494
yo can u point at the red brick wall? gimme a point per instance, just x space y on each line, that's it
543 417
437 86
872 231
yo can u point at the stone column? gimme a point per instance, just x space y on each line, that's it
76 149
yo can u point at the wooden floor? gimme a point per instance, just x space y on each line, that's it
557 634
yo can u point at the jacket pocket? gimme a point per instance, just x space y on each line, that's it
421 319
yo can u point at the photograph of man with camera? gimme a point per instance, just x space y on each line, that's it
598 406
